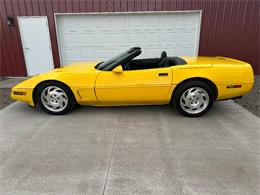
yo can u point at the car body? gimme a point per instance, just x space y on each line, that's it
125 81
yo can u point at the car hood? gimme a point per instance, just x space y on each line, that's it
78 67
56 74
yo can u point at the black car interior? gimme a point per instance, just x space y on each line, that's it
163 61
129 63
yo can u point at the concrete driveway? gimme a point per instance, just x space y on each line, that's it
129 150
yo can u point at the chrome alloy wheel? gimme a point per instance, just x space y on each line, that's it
54 98
194 100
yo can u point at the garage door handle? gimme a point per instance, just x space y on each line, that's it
163 74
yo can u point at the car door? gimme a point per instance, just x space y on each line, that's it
149 86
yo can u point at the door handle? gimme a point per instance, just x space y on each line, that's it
27 48
163 74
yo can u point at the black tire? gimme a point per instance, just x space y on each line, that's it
189 85
71 102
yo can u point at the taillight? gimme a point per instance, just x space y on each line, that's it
234 86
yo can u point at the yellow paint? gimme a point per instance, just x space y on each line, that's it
94 87
133 87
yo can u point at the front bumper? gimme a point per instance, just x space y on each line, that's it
22 94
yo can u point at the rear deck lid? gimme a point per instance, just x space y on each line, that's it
212 60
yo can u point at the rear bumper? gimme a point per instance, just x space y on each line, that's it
22 94
239 97
233 98
230 93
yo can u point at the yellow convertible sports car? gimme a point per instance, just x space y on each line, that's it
190 84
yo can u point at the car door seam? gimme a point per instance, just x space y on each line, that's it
95 92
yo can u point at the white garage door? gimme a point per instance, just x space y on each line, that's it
84 37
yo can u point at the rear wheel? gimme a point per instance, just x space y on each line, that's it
193 98
55 98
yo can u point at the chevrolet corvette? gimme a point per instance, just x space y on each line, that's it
190 84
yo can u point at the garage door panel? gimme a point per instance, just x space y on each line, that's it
103 37
100 36
67 22
102 54
170 37
187 20
153 37
84 53
173 21
135 21
86 37
119 37
119 22
153 20
152 52
186 36
101 21
84 22
71 53
69 40
136 37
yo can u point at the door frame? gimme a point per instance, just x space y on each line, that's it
126 13
23 41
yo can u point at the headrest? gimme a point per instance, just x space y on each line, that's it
163 54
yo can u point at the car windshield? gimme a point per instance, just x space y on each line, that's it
103 65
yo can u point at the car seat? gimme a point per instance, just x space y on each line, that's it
163 60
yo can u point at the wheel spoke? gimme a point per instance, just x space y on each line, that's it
194 100
54 98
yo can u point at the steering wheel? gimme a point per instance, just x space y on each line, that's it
126 66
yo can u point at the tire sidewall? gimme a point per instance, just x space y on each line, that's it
71 98
183 88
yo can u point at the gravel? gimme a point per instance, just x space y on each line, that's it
5 89
5 99
251 101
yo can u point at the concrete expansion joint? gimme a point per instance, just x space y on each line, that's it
112 152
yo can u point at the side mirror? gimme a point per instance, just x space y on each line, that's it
118 69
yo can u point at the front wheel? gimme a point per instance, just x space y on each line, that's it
55 98
193 98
